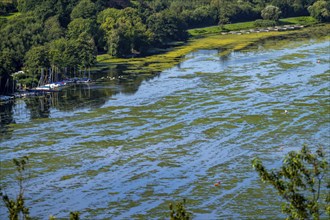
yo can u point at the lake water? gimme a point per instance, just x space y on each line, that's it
125 149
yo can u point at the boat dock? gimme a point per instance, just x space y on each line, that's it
44 89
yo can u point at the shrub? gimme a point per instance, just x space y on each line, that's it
264 23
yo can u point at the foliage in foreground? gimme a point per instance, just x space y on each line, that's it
18 210
16 207
303 182
179 212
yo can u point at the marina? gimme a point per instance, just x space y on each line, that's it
44 89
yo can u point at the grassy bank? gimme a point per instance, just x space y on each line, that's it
227 43
303 20
197 32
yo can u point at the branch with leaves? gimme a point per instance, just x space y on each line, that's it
303 182
16 207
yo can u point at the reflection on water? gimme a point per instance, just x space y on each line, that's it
126 147
6 118
75 97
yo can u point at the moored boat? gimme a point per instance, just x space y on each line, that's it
45 88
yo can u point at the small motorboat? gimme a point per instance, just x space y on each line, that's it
45 88
83 80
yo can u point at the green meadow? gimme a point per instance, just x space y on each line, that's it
197 32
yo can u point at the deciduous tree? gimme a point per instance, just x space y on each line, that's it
84 9
124 31
167 27
320 10
53 29
35 59
271 12
79 26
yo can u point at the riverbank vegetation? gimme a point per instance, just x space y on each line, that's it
302 20
225 44
64 37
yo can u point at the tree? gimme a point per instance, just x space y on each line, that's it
271 12
49 8
79 26
227 10
16 207
124 31
84 9
119 4
35 59
8 65
166 27
52 28
286 7
201 16
87 50
19 35
291 8
320 10
246 11
57 55
24 5
7 7
303 182
158 5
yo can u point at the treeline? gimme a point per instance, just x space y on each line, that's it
66 35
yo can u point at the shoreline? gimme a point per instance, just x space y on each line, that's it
228 42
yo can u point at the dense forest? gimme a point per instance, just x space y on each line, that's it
63 36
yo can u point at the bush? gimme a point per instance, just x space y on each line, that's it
264 23
271 12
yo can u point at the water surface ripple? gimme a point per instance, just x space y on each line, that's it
178 134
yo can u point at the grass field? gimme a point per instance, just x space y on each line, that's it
217 29
303 20
196 32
